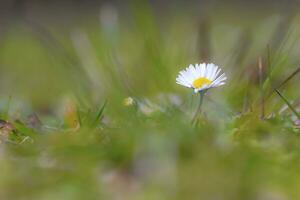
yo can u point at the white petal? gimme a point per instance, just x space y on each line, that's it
192 71
213 75
182 81
216 74
219 80
210 71
202 69
198 70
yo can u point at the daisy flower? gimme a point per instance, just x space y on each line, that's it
129 101
201 77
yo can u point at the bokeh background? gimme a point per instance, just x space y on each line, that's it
90 109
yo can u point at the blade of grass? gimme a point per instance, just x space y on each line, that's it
100 112
289 78
246 99
288 104
285 81
282 33
262 100
269 59
79 116
242 47
7 107
204 40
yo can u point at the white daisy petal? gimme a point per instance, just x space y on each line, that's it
216 83
220 78
207 70
202 69
211 71
201 77
198 70
213 75
216 74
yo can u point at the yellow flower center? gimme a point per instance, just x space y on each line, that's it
200 82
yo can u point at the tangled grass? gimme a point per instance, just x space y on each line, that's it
92 111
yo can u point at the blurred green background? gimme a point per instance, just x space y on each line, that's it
90 109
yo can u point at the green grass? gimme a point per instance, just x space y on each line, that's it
63 90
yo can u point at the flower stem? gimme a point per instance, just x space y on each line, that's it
198 111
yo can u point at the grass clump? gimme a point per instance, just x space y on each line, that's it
93 112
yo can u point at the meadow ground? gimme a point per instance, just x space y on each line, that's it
90 109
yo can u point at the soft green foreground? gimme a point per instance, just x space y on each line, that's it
89 145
